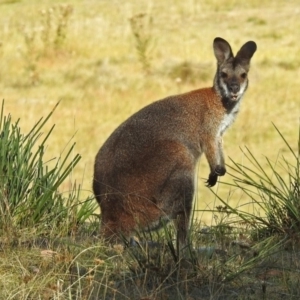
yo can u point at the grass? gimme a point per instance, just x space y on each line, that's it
88 57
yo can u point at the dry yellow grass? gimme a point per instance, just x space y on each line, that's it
92 67
96 74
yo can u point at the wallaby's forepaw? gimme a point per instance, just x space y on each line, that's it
213 177
220 170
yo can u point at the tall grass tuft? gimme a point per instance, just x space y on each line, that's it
29 185
140 26
274 190
54 23
45 39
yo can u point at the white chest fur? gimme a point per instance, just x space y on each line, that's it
228 119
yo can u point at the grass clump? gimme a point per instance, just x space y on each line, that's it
55 21
275 191
140 26
29 185
44 40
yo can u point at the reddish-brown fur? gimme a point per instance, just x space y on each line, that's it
144 173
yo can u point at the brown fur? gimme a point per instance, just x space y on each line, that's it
144 172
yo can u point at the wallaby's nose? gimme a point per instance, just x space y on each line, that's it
234 87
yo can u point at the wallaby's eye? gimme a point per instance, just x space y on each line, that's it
244 75
224 75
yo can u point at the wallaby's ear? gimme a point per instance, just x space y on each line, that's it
246 52
222 50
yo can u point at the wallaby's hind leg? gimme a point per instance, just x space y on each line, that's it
110 227
142 198
117 222
125 213
177 198
183 224
113 233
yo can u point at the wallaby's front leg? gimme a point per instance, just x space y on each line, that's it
215 158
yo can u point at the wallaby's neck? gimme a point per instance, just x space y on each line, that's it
228 104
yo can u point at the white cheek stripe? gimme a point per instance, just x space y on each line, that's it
242 89
224 87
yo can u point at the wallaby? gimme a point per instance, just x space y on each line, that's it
144 173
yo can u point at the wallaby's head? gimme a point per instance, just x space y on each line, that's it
231 78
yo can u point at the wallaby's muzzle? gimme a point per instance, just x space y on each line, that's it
234 88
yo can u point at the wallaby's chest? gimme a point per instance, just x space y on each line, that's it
227 120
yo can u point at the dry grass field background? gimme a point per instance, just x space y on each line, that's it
104 60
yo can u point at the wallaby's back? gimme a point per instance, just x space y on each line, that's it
144 172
